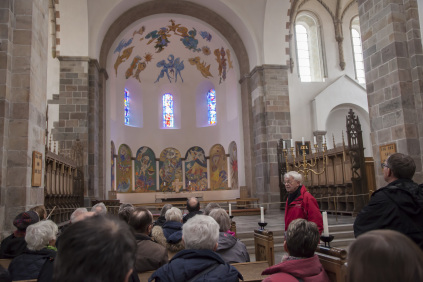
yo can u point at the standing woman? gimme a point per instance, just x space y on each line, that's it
300 203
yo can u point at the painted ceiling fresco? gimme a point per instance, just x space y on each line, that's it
168 48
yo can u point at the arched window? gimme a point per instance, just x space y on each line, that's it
168 117
309 48
211 106
358 50
126 103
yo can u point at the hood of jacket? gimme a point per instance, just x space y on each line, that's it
405 194
172 230
226 241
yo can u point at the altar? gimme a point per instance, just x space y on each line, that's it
177 196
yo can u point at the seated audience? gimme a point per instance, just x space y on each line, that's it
41 211
230 248
15 244
40 238
150 255
210 207
199 260
98 248
170 234
99 208
125 210
301 240
77 213
193 207
384 256
161 220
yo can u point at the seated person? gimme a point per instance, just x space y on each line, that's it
77 213
384 256
99 208
171 232
149 255
161 220
230 248
193 207
97 248
41 211
15 244
125 211
210 207
198 260
40 238
301 240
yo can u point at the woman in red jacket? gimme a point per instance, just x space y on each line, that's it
300 203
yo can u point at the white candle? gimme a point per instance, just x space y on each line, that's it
230 210
292 144
325 224
324 139
315 140
284 145
261 214
302 140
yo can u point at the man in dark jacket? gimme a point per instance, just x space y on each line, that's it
193 207
198 262
397 206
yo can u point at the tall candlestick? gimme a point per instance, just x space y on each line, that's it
325 224
315 140
302 140
292 144
230 210
261 214
284 145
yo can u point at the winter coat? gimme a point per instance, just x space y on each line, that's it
149 254
191 214
160 221
397 206
304 206
172 248
28 265
231 249
188 263
308 269
172 230
12 246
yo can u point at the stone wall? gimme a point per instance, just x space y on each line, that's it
393 62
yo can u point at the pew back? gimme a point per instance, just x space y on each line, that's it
251 271
264 246
5 263
333 261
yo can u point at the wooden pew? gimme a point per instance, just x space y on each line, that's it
264 246
251 271
333 261
5 263
145 275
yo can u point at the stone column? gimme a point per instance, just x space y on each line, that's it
268 86
393 61
23 80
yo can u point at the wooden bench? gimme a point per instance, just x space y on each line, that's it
5 263
264 246
333 261
251 271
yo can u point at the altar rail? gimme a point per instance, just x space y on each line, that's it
64 184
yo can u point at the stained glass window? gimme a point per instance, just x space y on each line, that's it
126 102
168 110
358 51
303 53
211 106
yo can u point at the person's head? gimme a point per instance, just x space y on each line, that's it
384 255
398 166
125 210
41 211
193 204
165 208
200 232
210 207
84 216
77 213
174 214
99 208
141 220
99 248
302 238
39 235
222 218
25 219
292 181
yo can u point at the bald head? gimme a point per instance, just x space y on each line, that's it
193 204
141 220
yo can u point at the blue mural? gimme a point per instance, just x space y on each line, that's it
174 67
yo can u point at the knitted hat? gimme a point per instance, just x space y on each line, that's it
25 219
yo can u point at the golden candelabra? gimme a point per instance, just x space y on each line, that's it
306 166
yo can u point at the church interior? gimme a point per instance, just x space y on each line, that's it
148 101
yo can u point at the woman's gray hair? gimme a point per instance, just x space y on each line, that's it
295 175
39 235
77 213
99 208
165 208
173 214
222 218
210 207
200 232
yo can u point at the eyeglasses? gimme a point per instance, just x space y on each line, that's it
382 165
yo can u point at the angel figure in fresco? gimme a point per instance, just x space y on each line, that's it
161 37
122 58
201 66
221 60
190 42
173 66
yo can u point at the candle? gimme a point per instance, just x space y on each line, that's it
230 209
261 214
324 139
325 224
314 139
292 144
302 140
284 145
